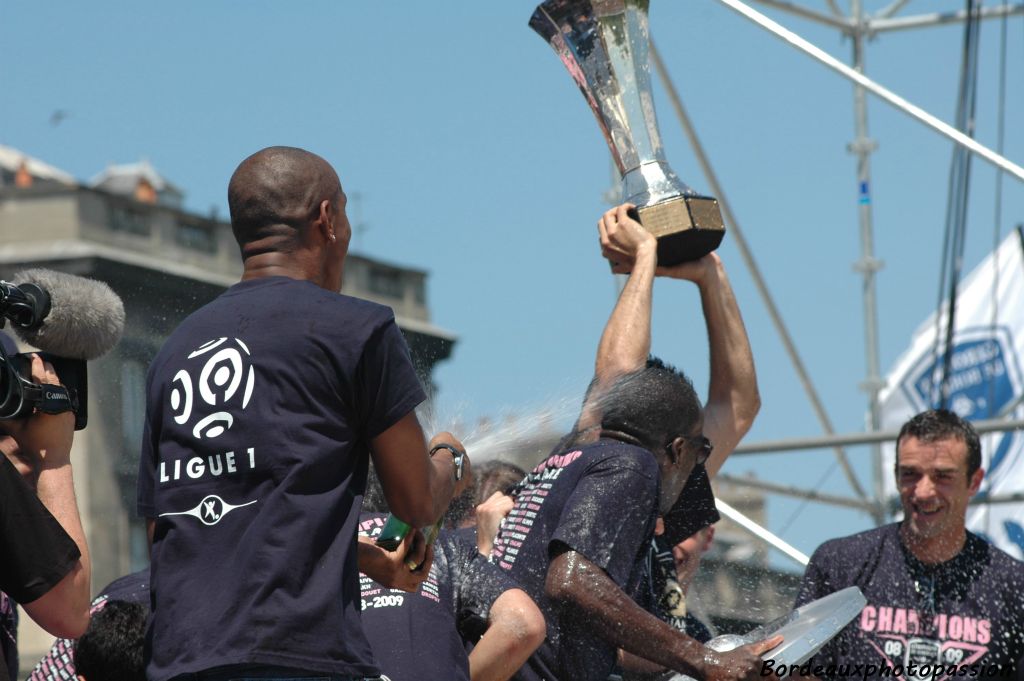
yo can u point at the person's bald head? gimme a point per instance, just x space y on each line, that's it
288 215
276 194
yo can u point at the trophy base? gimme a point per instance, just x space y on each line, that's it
687 228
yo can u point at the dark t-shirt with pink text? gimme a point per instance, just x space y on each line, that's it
420 636
600 501
962 618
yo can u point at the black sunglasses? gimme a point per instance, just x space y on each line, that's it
701 443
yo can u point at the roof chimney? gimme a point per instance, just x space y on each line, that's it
144 192
23 178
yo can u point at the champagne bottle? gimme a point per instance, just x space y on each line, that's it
395 530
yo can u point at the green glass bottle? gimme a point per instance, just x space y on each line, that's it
394 531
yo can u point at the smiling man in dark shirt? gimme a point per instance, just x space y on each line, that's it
941 600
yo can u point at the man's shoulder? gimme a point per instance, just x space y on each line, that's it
619 454
846 561
276 300
604 455
1009 568
133 587
861 541
459 556
340 303
299 296
455 542
834 557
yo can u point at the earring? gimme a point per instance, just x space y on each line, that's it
333 238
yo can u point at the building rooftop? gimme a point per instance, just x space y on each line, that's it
12 160
131 215
141 181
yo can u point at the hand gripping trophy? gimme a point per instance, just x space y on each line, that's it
604 45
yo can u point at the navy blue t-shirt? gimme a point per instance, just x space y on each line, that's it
133 588
966 614
419 636
600 501
259 411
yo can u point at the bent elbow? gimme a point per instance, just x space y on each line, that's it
534 628
63 611
71 624
755 404
74 620
520 621
558 587
567 584
747 411
77 624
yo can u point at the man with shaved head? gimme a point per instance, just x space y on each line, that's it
262 408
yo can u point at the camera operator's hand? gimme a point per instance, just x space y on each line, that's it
43 439
44 443
27 466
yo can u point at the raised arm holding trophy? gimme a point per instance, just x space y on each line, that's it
604 45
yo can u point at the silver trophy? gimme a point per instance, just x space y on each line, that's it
804 631
604 45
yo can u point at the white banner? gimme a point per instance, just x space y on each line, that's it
985 382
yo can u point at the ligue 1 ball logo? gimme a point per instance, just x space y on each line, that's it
218 381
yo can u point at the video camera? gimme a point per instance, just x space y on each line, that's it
70 319
20 396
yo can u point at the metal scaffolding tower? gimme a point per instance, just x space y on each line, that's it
858 26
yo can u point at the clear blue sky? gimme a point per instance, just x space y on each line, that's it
476 158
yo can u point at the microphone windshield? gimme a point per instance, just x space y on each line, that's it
86 317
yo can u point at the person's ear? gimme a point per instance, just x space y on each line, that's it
675 449
974 484
325 221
